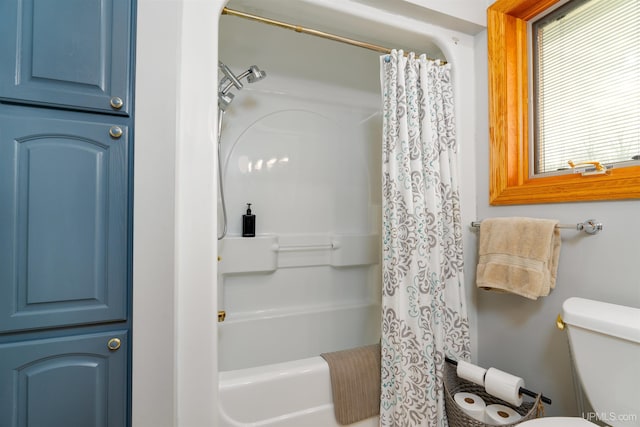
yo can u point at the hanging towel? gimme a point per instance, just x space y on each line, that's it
355 382
518 255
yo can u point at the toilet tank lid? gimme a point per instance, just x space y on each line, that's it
610 319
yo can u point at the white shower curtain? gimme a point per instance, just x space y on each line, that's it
424 317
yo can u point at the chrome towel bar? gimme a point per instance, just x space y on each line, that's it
590 226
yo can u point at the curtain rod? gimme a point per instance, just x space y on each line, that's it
310 31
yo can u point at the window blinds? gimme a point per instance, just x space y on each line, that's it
587 84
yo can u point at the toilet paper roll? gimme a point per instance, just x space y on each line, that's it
500 415
471 404
471 372
503 386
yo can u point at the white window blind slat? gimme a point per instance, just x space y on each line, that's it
587 84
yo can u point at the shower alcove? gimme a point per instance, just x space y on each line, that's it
303 146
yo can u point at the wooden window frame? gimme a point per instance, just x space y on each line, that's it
510 182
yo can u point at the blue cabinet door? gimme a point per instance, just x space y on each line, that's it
75 381
68 53
63 219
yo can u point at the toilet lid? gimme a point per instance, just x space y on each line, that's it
559 422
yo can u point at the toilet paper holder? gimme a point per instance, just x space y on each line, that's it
523 390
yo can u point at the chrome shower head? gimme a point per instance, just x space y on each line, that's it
253 74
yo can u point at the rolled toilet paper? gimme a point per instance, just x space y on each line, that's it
471 404
500 415
503 386
471 372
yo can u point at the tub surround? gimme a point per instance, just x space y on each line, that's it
174 301
302 151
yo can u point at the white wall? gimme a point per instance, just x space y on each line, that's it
174 316
466 15
154 312
519 335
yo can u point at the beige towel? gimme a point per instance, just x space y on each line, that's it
355 383
518 255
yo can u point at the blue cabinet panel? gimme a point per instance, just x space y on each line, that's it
65 261
69 53
74 381
63 219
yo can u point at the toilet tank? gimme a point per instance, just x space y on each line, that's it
605 343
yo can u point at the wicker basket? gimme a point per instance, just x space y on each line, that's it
453 384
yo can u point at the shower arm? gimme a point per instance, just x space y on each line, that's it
230 84
229 74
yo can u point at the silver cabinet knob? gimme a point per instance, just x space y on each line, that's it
115 132
116 102
113 344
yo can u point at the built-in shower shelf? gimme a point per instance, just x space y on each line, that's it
247 254
265 253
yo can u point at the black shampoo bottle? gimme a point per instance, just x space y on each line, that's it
248 223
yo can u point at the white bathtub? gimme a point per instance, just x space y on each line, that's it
276 337
290 394
272 373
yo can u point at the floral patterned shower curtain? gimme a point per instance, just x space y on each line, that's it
424 317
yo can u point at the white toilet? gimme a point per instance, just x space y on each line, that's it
605 342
